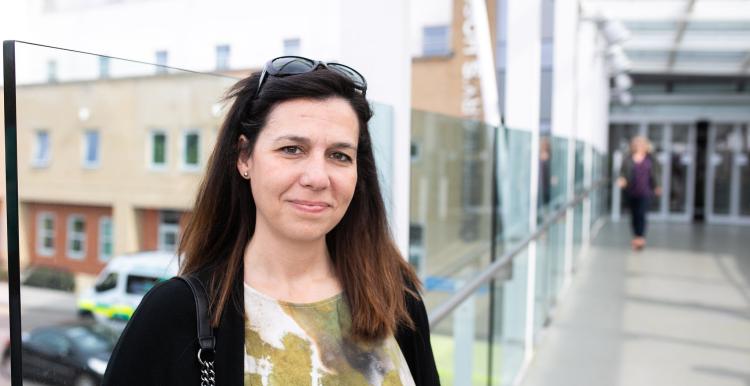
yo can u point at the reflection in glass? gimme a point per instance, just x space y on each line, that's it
722 161
744 163
103 146
681 160
578 171
508 345
656 137
451 188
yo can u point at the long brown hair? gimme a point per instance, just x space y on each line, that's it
374 276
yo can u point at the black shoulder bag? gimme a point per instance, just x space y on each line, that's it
206 339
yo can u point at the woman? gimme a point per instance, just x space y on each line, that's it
640 177
290 238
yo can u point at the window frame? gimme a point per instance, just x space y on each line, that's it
41 232
223 56
88 164
448 49
69 237
102 221
184 165
41 162
150 143
161 65
163 228
286 43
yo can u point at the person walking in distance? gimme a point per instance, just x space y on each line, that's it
640 177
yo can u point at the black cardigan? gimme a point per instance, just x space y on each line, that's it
159 345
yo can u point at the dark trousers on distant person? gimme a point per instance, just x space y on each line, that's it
638 211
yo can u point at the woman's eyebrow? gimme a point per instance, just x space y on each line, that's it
344 145
306 141
293 138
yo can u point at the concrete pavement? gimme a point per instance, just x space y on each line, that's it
677 313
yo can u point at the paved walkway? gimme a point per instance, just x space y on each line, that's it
677 313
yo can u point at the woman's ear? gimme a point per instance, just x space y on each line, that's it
244 161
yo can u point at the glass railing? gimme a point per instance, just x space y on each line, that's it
482 334
489 298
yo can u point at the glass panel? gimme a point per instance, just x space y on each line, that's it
90 136
681 161
559 171
550 270
460 342
577 233
723 162
451 186
744 163
579 158
656 136
509 322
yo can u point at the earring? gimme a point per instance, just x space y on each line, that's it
244 174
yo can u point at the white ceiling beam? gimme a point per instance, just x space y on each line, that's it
681 26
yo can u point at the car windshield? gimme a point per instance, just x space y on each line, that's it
93 338
139 285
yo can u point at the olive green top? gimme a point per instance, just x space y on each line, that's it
309 344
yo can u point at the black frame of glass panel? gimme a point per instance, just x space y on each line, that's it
11 198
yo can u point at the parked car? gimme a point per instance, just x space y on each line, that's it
74 353
121 285
48 277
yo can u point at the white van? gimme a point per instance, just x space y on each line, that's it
121 285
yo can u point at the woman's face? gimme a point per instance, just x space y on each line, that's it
303 168
639 145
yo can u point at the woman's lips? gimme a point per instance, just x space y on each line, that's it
309 206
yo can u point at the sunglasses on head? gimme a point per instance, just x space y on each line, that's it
295 65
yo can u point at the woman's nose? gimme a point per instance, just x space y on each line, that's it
315 174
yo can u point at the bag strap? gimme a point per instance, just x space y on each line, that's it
206 340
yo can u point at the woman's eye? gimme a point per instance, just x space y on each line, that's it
291 150
341 157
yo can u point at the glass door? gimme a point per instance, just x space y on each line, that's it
743 164
727 186
679 190
658 134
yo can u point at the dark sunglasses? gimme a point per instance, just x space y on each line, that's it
295 65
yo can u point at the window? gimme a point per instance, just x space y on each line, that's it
41 151
50 342
105 238
91 149
76 237
169 230
436 41
222 57
139 285
191 150
292 46
161 61
51 71
45 234
109 282
103 67
158 149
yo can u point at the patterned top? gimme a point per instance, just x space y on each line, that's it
309 344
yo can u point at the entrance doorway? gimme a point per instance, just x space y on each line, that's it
674 148
728 173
